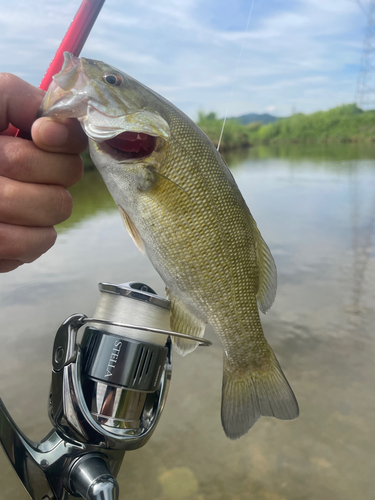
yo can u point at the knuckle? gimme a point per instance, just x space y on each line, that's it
7 80
15 159
8 195
35 205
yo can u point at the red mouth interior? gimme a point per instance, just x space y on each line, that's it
133 144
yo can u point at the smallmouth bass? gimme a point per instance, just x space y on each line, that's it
182 207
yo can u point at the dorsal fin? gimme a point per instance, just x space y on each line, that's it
267 271
132 230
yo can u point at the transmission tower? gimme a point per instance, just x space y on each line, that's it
365 88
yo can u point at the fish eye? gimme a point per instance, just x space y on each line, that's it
112 79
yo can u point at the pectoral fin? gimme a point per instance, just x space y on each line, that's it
132 230
183 321
166 187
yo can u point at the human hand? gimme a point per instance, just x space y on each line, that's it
34 174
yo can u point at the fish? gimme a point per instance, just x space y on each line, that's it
183 209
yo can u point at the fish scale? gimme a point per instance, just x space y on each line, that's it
182 207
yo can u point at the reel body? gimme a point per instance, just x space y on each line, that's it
107 395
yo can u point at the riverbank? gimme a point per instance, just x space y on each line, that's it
346 123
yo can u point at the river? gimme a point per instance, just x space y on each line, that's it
315 207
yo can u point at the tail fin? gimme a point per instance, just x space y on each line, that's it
254 394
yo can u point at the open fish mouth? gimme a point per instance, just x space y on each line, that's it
133 145
132 136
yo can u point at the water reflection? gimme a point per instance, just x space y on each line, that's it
90 199
362 239
316 152
315 208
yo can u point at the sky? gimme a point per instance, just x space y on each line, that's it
296 55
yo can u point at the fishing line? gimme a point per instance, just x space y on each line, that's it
235 74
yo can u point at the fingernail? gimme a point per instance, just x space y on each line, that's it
53 134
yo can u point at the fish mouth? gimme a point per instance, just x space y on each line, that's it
132 145
130 137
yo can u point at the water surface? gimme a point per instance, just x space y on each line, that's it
316 209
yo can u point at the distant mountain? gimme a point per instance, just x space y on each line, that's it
255 117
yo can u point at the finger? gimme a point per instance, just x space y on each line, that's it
33 204
22 161
7 265
24 244
66 136
19 102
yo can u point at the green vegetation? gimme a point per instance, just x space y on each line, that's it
235 134
346 123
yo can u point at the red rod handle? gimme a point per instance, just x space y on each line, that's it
72 42
75 37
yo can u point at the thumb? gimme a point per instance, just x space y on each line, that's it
64 136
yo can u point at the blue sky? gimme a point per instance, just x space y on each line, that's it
300 55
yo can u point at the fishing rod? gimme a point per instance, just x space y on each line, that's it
75 37
73 42
108 390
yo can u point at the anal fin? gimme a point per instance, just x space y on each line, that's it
183 321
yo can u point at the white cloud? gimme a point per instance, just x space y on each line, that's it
300 51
